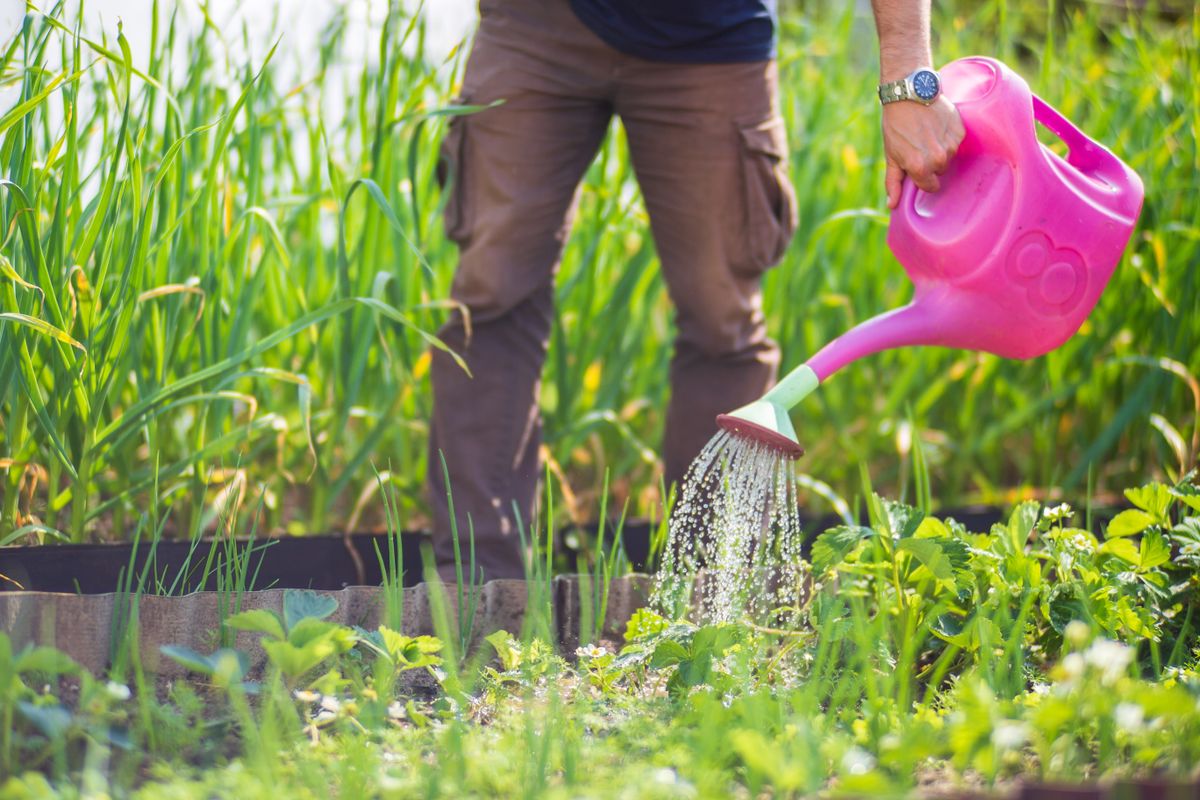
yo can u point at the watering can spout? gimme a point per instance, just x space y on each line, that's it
766 420
912 324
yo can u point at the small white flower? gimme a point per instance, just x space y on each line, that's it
1082 542
1009 735
1077 633
396 710
857 761
1074 666
1058 512
305 696
590 651
117 691
1129 717
324 716
1040 688
1111 658
330 703
666 776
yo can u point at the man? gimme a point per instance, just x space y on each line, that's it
694 83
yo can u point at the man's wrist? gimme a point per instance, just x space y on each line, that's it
895 66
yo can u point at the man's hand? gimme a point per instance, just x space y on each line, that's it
918 141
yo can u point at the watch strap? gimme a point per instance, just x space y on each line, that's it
895 91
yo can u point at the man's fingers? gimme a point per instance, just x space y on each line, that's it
926 182
891 181
938 161
922 171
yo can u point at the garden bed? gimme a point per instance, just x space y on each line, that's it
82 599
324 562
93 628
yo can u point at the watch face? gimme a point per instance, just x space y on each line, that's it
925 84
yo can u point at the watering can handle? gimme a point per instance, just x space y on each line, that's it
1079 146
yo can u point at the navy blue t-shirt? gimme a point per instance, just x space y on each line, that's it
685 31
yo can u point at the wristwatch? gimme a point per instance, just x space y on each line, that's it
922 85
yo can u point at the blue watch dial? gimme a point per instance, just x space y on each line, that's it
925 84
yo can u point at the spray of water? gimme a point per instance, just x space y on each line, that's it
733 549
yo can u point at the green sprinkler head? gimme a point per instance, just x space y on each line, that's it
766 421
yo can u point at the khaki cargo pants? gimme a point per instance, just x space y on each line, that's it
709 152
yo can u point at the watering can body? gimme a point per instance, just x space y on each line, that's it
1009 257
1013 252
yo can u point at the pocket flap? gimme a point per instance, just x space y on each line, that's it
768 137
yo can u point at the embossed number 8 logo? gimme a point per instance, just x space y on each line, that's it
1054 278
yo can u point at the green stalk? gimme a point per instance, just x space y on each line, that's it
79 496
12 497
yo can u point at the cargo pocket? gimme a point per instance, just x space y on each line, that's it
450 174
769 202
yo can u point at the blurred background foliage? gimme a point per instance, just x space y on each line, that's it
222 264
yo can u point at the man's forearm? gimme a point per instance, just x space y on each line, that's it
903 27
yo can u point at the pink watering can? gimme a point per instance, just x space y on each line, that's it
1009 257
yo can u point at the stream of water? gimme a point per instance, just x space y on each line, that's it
733 549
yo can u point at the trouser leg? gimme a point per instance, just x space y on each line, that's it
709 149
487 429
514 170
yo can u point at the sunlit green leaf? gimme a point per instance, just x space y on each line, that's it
509 653
668 652
832 546
1128 523
1154 551
644 623
1188 494
42 327
1123 549
941 556
1153 498
259 620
